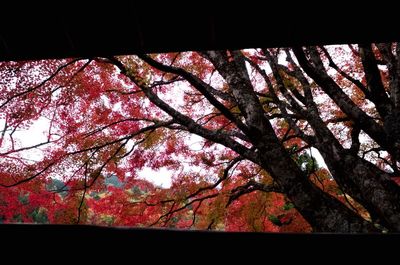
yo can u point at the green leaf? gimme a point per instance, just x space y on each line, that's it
39 216
275 220
23 198
288 206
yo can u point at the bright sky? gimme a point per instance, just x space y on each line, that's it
162 177
36 134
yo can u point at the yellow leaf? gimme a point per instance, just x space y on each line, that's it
153 138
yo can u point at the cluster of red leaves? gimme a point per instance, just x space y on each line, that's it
100 125
142 204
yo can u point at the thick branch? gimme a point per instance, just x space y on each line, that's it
281 105
344 74
374 81
282 88
365 122
234 71
190 124
355 142
201 86
393 65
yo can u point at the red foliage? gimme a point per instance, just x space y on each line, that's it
99 125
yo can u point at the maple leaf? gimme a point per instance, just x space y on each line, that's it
259 118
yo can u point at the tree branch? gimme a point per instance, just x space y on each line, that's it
374 82
204 88
249 187
393 65
171 211
224 177
344 74
190 124
41 83
29 178
359 117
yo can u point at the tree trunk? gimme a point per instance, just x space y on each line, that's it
367 184
322 211
363 181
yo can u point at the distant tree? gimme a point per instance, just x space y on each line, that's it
114 181
260 114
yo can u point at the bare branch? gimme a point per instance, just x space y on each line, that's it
344 74
224 177
171 212
83 194
250 187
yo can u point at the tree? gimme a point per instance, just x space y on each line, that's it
260 113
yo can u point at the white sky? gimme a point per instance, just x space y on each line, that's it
317 155
162 177
36 134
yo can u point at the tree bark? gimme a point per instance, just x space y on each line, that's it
329 86
322 211
363 181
